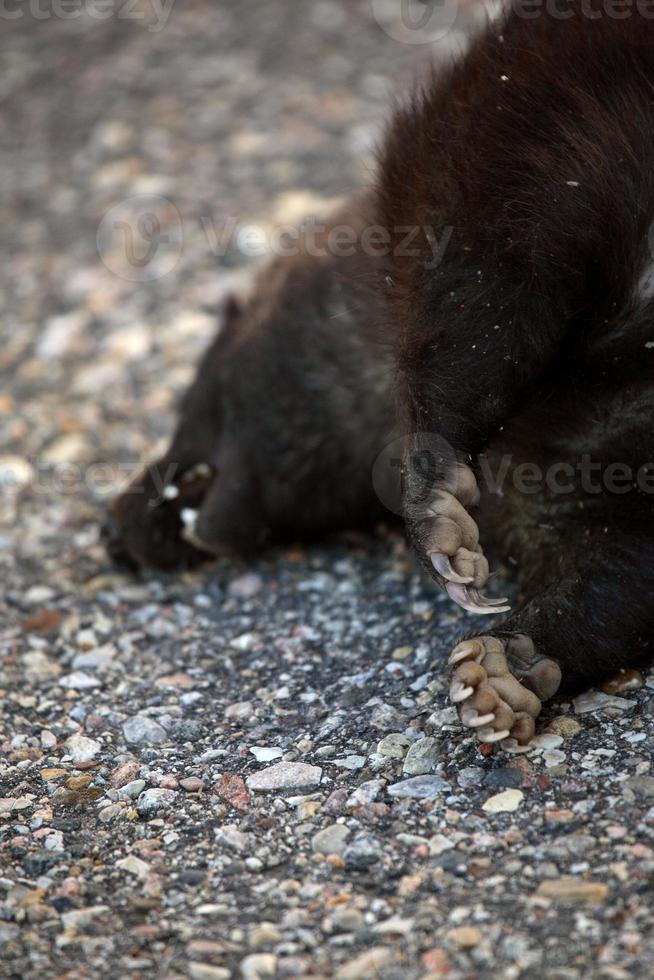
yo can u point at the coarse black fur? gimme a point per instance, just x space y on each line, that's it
531 342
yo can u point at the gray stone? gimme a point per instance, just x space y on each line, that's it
239 711
641 786
92 659
79 681
152 801
348 920
366 793
82 749
386 717
331 840
504 778
352 762
395 745
142 730
470 777
419 788
364 851
245 586
264 753
421 757
443 717
285 776
598 701
131 790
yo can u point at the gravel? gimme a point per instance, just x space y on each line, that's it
214 774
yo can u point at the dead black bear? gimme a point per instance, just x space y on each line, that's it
291 405
527 351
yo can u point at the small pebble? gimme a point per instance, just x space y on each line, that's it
421 757
142 730
624 682
419 788
82 749
574 890
152 801
192 784
367 965
395 745
266 754
285 776
506 802
465 937
259 966
331 840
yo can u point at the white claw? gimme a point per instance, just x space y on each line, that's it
465 651
472 601
480 721
459 692
513 748
443 566
488 735
188 533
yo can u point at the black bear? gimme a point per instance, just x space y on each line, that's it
519 367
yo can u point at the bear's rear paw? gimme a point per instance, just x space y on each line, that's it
498 686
